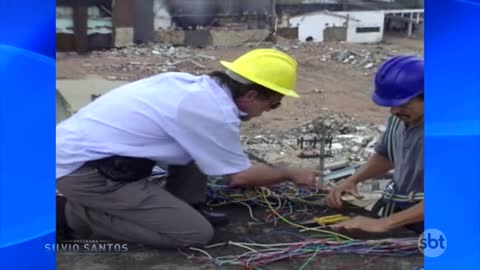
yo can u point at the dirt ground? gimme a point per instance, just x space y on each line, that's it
323 85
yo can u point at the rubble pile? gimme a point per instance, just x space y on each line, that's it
352 142
362 59
152 58
149 59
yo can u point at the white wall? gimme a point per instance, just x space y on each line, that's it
313 24
366 19
162 19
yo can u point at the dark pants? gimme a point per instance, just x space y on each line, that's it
140 211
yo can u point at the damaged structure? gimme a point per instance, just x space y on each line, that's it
351 26
355 26
98 24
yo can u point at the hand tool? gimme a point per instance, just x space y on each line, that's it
326 220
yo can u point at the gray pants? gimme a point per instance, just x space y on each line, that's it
138 212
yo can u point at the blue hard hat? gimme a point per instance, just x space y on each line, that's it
398 80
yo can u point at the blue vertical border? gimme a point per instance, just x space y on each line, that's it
452 130
27 134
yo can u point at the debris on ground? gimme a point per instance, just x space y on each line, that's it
147 60
352 141
364 58
154 58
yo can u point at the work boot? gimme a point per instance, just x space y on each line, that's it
215 218
63 231
60 211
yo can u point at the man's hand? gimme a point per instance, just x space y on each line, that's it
263 175
363 223
304 177
334 198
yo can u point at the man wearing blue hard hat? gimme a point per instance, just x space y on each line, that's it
399 84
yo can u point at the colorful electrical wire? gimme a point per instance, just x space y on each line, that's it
221 194
276 199
262 254
283 202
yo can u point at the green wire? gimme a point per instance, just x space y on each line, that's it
309 260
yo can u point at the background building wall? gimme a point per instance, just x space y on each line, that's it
313 25
367 19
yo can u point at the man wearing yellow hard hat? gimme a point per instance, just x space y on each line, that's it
190 124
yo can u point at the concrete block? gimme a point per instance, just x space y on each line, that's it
229 38
175 37
123 36
198 38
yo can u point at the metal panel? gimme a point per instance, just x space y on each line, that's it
143 29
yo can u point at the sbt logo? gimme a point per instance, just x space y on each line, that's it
432 243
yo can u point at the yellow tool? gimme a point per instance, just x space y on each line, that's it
326 220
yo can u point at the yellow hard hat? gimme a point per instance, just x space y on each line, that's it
270 68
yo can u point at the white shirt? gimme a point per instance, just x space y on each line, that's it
172 118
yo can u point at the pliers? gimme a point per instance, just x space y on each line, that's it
326 220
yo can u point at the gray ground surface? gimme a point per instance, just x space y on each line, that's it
139 257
